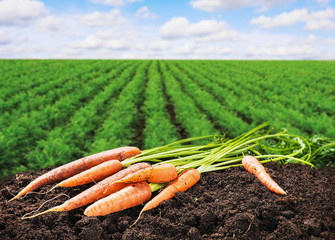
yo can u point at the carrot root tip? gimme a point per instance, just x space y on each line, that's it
138 218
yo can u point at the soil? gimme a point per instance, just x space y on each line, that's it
231 204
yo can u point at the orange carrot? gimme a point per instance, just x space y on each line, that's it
95 174
72 168
128 197
160 173
96 192
252 165
184 181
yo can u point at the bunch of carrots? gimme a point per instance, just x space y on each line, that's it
125 178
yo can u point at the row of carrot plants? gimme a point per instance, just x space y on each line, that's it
123 121
158 130
229 95
295 101
191 119
257 108
268 107
14 74
21 136
227 120
45 94
31 76
291 84
72 140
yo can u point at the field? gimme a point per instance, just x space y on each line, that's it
53 112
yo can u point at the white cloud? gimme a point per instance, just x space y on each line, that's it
284 19
202 51
90 42
4 38
175 28
144 12
185 49
310 39
96 19
20 12
222 5
115 3
313 20
297 52
159 45
320 24
180 27
109 39
50 23
330 41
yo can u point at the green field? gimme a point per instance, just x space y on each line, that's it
54 111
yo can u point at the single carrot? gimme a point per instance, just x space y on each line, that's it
96 192
95 174
160 173
184 181
127 197
72 168
252 165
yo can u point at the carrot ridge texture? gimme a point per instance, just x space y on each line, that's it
160 173
72 168
127 197
252 165
95 173
184 181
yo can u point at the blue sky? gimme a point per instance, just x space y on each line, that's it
152 29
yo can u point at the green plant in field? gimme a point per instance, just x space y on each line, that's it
118 129
195 122
157 120
323 151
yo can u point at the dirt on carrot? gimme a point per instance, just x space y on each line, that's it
72 168
161 173
127 197
229 204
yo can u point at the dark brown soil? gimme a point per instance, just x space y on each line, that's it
231 204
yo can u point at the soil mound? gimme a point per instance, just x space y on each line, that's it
230 204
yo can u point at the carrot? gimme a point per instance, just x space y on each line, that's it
96 192
252 165
95 174
160 173
128 197
72 168
184 181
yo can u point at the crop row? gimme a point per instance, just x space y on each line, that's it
124 120
71 141
223 117
188 115
159 129
45 94
27 76
245 95
307 88
21 135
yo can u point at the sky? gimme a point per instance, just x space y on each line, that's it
170 29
